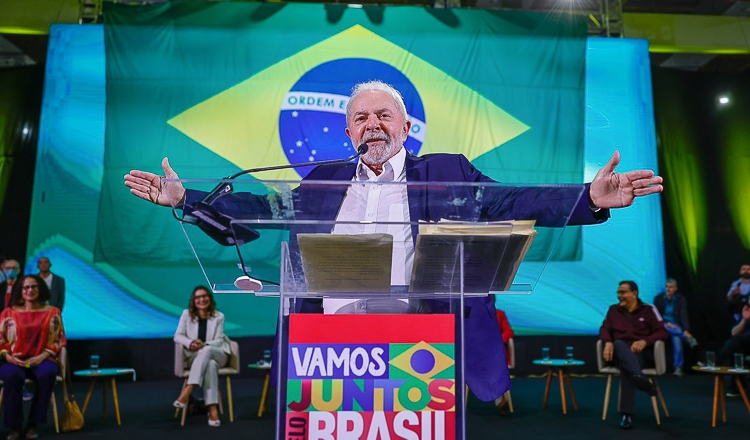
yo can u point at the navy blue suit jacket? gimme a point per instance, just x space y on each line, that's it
57 292
486 371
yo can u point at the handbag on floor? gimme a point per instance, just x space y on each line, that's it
71 418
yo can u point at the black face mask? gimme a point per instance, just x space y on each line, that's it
745 276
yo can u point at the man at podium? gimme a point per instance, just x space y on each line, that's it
376 117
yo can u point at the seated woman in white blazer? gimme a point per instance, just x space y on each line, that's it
206 349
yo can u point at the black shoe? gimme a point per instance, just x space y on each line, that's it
626 422
642 383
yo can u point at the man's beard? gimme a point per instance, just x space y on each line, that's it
378 155
745 276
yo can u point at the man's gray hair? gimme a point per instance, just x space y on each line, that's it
381 86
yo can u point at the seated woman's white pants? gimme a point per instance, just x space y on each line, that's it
204 371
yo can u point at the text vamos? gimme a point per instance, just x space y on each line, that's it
338 361
377 377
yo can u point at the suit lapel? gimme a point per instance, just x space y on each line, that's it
334 195
417 195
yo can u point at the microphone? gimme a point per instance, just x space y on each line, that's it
218 225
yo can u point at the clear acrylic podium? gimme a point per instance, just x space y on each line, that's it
375 292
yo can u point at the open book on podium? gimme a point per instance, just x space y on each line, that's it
492 254
346 263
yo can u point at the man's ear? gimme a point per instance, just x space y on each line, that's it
407 128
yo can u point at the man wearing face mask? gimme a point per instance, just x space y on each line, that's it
739 292
11 268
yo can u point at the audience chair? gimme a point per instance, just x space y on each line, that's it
232 368
659 369
62 360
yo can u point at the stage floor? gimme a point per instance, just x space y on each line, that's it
147 413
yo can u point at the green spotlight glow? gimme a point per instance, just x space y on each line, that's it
685 189
687 194
736 163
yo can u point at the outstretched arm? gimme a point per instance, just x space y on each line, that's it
151 187
617 190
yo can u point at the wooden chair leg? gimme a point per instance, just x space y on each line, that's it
221 405
229 399
184 410
619 396
264 396
510 401
656 409
176 410
660 396
54 413
606 396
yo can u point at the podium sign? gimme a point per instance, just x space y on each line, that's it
385 376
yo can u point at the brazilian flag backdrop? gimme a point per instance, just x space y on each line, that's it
144 300
218 87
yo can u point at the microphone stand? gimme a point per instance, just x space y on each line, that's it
225 187
218 226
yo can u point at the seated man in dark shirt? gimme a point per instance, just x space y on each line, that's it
629 332
738 343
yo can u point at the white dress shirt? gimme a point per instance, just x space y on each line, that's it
48 280
366 206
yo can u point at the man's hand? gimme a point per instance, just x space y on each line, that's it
614 190
746 313
609 350
151 187
638 346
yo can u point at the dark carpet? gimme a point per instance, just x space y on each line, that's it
147 413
